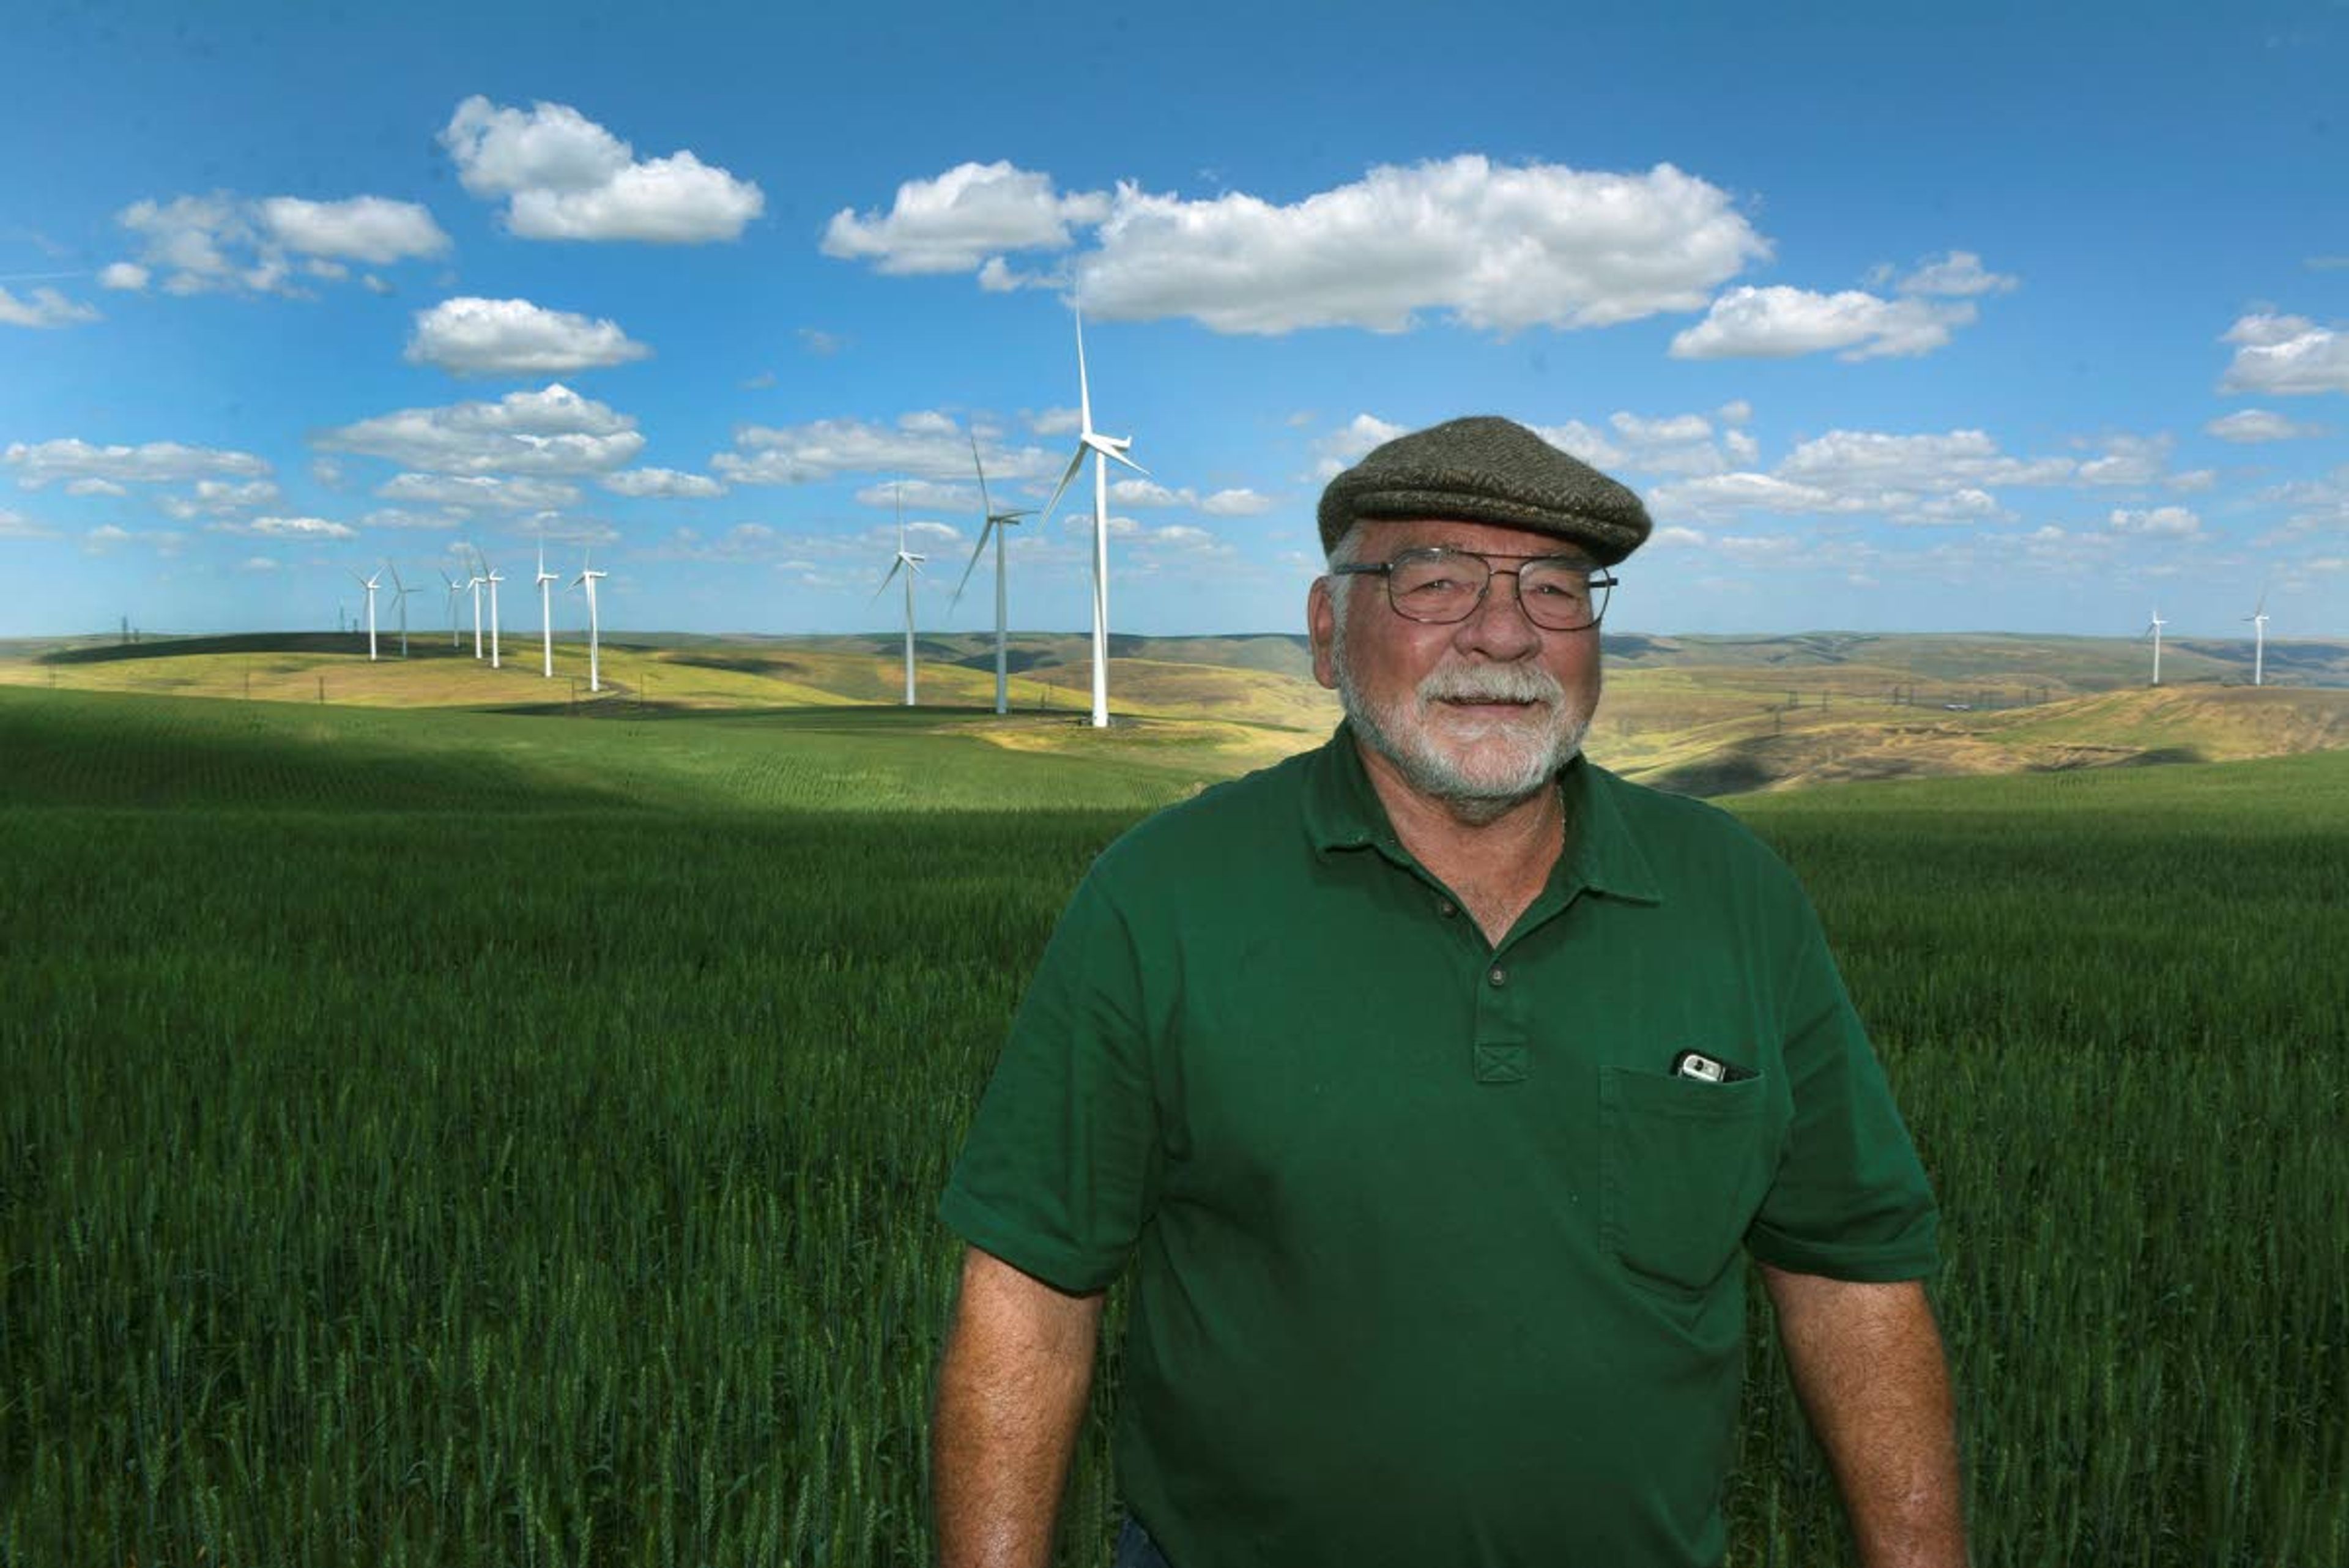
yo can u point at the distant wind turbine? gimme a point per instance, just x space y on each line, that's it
1106 450
997 524
455 593
2258 619
2153 630
546 607
490 575
399 592
589 577
911 564
369 585
475 583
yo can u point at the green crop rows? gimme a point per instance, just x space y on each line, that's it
446 1138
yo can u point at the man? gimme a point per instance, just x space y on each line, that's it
1435 1082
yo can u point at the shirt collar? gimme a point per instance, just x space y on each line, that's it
1342 812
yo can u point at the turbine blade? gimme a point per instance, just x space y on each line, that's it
976 551
1084 389
984 506
1067 474
890 579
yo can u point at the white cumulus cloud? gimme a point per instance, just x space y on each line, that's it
1960 274
967 218
473 337
1952 477
156 463
919 494
224 243
369 228
1346 445
220 497
564 177
667 483
2261 425
2287 356
1492 246
552 431
1781 323
1241 503
478 490
924 445
17 526
44 308
2161 521
286 528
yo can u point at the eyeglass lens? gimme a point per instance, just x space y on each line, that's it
1443 586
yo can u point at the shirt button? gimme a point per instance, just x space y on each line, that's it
1499 977
1445 908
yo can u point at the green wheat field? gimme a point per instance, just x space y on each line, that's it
438 1137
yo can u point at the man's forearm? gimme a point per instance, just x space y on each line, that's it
1868 1364
1011 1397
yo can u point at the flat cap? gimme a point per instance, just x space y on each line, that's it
1486 468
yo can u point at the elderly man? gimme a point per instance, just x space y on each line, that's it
1435 1084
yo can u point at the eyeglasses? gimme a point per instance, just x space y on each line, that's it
1439 585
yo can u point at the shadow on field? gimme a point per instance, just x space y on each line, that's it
111 749
343 643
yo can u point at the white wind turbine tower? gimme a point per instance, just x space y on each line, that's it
475 583
455 593
545 608
589 575
2153 630
369 585
2258 619
997 524
399 592
1105 449
490 575
911 564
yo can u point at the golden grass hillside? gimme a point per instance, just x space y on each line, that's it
1701 715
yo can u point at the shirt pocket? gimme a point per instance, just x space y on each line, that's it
1683 1166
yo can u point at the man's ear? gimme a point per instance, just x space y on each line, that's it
1321 624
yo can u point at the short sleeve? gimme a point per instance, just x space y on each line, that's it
1061 1170
1851 1201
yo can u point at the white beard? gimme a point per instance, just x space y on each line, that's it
1478 766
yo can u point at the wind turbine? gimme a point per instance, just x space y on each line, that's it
2258 619
399 592
475 583
997 524
545 608
454 594
369 585
589 575
1105 449
490 575
911 564
2153 630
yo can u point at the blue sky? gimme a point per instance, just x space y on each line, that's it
1983 321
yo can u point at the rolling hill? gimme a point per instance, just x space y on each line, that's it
1702 715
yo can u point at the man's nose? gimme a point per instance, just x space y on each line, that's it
1498 626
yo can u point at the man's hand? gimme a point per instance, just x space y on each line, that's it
1012 1395
1866 1363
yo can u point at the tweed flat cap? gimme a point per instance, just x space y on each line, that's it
1486 468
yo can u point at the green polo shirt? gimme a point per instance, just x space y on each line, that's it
1437 1262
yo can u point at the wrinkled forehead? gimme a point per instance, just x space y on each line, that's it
1377 539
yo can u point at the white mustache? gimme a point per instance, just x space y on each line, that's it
1495 683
